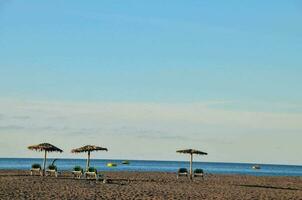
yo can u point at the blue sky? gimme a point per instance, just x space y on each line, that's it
240 58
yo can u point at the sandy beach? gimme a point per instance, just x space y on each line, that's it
147 185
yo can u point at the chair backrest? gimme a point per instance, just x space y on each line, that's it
36 166
78 169
198 171
52 167
182 170
92 169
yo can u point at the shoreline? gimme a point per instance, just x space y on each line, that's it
25 172
160 166
152 160
18 184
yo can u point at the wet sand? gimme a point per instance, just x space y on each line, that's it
148 185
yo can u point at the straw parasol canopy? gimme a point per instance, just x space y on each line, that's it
191 152
46 147
88 148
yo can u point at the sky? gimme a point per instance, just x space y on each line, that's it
145 78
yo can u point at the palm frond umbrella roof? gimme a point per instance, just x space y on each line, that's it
45 147
192 151
88 148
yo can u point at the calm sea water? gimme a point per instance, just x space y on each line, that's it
159 166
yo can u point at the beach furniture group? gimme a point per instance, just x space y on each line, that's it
78 172
191 152
91 172
184 172
46 147
51 170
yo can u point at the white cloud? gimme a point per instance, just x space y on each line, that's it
157 130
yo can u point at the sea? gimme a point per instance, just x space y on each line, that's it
158 166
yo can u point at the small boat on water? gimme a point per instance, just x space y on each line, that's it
111 164
256 167
125 162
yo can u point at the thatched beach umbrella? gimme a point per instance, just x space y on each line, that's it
88 148
191 152
46 147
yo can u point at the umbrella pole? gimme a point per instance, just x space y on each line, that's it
191 163
44 163
88 161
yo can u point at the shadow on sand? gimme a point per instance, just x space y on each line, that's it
269 187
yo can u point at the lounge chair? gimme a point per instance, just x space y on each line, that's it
198 173
36 168
52 170
77 172
91 173
182 172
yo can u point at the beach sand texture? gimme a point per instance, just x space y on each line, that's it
148 185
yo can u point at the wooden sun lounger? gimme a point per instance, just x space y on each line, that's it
96 176
50 172
182 172
198 173
91 175
77 174
35 171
